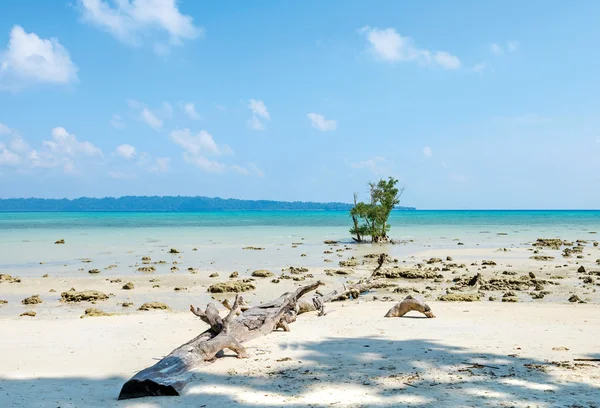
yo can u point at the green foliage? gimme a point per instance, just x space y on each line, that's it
371 219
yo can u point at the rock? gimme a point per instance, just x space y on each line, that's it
128 286
449 259
349 263
45 275
60 241
93 312
275 281
460 297
509 273
116 280
94 271
154 306
84 296
214 275
253 248
234 274
231 287
398 272
511 299
262 273
542 258
296 270
488 263
331 242
434 260
4 277
302 255
177 289
146 259
126 304
581 269
32 300
588 279
595 244
553 243
147 269
575 298
52 290
460 243
173 251
174 269
3 302
492 299
29 313
532 275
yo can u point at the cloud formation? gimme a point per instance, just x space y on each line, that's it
132 21
29 59
259 111
510 46
126 151
319 122
190 110
427 152
387 45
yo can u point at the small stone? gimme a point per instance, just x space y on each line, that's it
460 297
45 275
581 269
29 313
147 269
173 251
449 259
180 288
574 298
262 273
128 286
146 258
32 300
154 306
93 312
94 271
126 304
213 275
60 241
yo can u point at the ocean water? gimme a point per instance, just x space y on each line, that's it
26 239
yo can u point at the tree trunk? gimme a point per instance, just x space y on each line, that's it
171 374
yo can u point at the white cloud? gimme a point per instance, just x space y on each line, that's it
201 143
151 119
4 130
67 144
131 21
190 110
427 152
259 110
30 59
497 49
319 122
388 45
248 170
479 68
374 165
210 166
160 165
116 122
126 151
7 157
255 123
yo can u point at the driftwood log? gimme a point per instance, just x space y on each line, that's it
410 304
171 374
317 302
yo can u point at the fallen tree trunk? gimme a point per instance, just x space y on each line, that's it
317 302
171 374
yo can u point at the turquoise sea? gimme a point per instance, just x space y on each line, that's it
27 238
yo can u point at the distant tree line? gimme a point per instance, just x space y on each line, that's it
163 203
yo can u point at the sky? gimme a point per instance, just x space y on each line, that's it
469 104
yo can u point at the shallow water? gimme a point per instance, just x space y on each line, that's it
108 238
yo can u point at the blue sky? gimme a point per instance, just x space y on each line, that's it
470 104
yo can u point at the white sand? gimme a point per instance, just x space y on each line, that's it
353 357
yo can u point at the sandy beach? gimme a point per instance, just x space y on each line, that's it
352 357
534 317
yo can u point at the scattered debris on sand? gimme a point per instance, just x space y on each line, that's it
29 313
154 306
32 300
4 277
232 286
93 312
72 296
147 269
542 257
129 286
460 297
262 273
